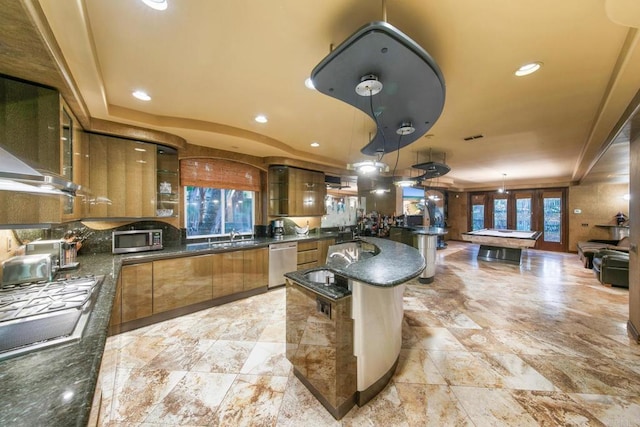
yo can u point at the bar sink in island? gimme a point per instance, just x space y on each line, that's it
344 320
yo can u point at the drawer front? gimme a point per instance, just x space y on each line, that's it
307 265
307 246
308 256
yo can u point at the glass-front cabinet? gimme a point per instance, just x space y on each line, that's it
168 196
296 192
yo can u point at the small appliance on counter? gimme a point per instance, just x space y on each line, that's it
277 226
63 254
132 241
28 268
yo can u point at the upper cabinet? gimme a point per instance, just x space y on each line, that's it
36 128
122 178
168 182
132 179
296 192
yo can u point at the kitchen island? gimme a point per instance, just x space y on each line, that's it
57 385
344 320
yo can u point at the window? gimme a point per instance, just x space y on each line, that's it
213 212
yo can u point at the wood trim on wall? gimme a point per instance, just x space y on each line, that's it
107 127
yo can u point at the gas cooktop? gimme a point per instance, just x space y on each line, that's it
41 314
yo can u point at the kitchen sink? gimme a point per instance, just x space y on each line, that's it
321 276
220 245
327 277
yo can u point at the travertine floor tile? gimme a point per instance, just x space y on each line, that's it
485 344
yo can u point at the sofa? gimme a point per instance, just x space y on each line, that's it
611 267
586 250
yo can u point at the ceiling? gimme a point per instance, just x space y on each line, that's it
211 66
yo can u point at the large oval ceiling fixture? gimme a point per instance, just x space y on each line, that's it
384 73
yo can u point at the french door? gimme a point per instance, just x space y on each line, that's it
541 210
551 220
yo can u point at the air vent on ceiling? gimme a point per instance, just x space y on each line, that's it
471 138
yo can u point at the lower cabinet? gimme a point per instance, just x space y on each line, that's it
181 281
313 254
137 291
255 268
227 273
150 288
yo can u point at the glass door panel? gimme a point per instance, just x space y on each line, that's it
523 212
477 212
551 221
552 208
500 213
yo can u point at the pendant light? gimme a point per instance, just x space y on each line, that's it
503 190
433 169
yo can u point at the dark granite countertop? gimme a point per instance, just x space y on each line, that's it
422 229
55 386
395 264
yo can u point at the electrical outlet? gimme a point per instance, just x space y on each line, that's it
323 307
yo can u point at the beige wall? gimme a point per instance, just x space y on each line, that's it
598 203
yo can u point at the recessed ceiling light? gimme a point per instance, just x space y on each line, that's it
141 95
261 119
315 144
527 69
156 4
309 83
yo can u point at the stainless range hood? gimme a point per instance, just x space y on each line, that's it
17 176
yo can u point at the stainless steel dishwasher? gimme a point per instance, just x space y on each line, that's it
283 258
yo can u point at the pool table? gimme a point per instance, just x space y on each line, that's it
502 245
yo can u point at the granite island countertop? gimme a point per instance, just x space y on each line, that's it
394 264
55 386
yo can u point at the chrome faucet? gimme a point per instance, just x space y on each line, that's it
233 234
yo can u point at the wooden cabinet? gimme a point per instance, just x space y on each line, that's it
256 268
228 268
31 128
75 165
182 281
307 255
323 248
122 177
313 254
137 291
296 192
146 289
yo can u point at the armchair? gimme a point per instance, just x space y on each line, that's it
612 267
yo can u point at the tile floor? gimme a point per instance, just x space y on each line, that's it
486 344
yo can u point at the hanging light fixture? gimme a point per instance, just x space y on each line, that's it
408 182
367 167
433 169
369 85
503 190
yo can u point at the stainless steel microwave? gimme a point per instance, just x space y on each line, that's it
123 242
